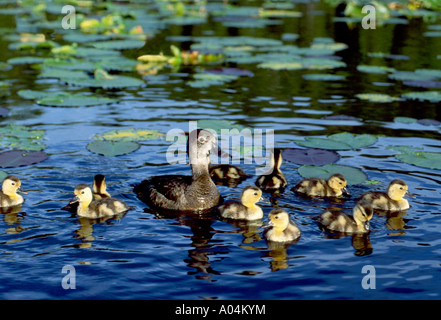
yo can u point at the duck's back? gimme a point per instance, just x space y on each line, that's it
381 201
313 187
337 221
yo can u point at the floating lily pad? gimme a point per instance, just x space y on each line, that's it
374 69
204 80
353 175
406 120
339 141
25 60
21 137
112 148
106 81
377 97
411 76
74 100
431 160
18 158
312 156
230 72
130 135
432 96
119 44
281 65
323 77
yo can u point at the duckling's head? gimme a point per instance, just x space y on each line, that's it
250 195
99 184
397 189
83 194
11 185
279 218
338 182
277 159
363 212
200 143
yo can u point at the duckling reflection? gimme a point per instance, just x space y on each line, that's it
9 196
99 191
335 186
196 193
273 181
13 217
246 209
390 201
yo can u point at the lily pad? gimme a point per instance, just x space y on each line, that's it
25 60
18 158
312 156
106 81
21 137
432 96
431 160
406 120
377 97
130 135
112 148
74 100
323 77
119 44
374 69
339 141
353 175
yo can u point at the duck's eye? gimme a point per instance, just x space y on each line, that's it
276 217
255 193
13 183
401 188
340 182
202 139
82 192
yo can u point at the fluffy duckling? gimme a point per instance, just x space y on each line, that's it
8 195
89 208
390 201
335 186
342 223
222 172
246 209
281 227
179 193
273 180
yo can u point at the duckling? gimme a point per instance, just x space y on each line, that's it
179 193
390 201
8 195
273 180
246 209
95 209
342 223
222 172
281 227
99 188
317 187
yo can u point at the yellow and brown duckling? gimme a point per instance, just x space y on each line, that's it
273 180
226 172
185 194
342 223
89 208
335 186
390 201
9 196
246 209
280 227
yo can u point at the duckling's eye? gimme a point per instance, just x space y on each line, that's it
255 193
401 188
13 183
82 192
276 217
340 182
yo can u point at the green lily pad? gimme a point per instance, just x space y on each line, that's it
406 120
118 44
377 97
353 175
80 37
69 64
3 175
21 137
25 60
432 96
374 69
18 158
276 65
323 77
411 76
74 100
32 94
112 148
130 135
431 160
204 80
63 74
106 81
339 141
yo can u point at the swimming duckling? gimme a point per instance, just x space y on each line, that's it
184 193
317 187
99 188
222 172
90 208
281 227
246 209
390 201
273 180
342 223
8 195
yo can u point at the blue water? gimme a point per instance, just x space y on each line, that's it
147 256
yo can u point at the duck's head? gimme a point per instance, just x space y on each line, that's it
338 182
83 194
11 185
397 189
99 184
200 143
363 212
279 219
251 195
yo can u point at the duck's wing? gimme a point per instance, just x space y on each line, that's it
162 191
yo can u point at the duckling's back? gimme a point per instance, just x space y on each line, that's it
313 187
337 221
106 207
381 201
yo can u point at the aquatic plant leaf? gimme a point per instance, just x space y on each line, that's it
110 82
323 143
69 64
374 69
276 65
312 156
18 158
80 37
25 60
356 141
74 100
411 76
376 97
63 74
31 94
118 44
338 141
353 175
406 120
323 77
230 72
130 135
3 175
109 148
431 160
432 96
21 137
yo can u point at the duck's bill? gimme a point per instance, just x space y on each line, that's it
367 226
20 190
410 195
264 200
75 199
346 192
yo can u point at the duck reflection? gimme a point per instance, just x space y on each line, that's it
395 221
12 217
